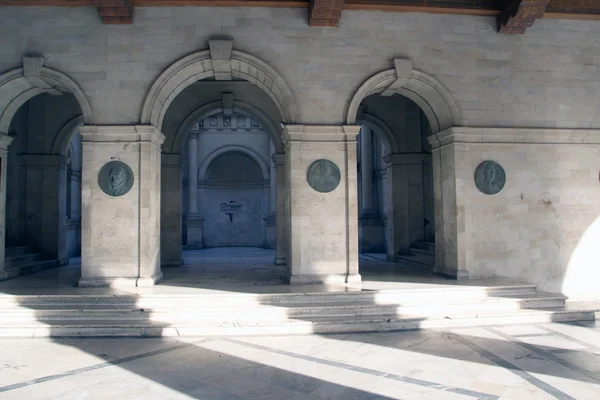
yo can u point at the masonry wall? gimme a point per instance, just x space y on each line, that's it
546 77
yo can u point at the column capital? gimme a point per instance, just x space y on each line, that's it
121 133
193 135
320 133
171 159
278 159
5 141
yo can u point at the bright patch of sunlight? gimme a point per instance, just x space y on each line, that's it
582 277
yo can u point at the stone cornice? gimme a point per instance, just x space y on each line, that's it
121 133
278 158
5 141
489 135
320 133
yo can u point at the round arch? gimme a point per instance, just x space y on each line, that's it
198 66
63 139
15 90
381 129
176 144
429 94
229 148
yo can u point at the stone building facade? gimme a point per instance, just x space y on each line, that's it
435 95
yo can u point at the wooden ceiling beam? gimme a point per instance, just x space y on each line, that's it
115 11
518 15
325 12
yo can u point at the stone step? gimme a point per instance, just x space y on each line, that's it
434 295
380 323
29 268
23 259
274 313
416 261
424 245
17 251
425 253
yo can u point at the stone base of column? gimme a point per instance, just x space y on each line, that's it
324 279
280 261
195 229
459 275
271 231
118 282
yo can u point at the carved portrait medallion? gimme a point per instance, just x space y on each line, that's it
115 178
490 177
323 176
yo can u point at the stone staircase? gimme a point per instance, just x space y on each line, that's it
23 260
420 255
236 313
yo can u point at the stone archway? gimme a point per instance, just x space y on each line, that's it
428 93
442 113
16 88
21 84
220 62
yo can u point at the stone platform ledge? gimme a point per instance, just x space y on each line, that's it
460 275
325 279
280 261
116 282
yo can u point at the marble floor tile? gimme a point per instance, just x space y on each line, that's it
545 361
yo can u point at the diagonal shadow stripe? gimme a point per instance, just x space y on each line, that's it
98 366
551 390
368 371
547 354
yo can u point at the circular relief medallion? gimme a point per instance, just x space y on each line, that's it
323 176
115 178
490 177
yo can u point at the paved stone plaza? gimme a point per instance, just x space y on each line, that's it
546 361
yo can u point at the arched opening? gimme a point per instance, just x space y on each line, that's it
395 181
222 161
400 195
40 109
43 185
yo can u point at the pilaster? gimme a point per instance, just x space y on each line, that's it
322 227
280 209
170 214
5 141
121 235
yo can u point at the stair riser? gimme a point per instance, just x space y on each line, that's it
15 262
269 314
429 247
30 268
297 328
405 298
17 251
415 264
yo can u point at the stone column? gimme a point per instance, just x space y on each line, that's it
46 203
194 220
366 170
280 209
398 234
270 218
5 141
170 210
449 208
121 235
322 227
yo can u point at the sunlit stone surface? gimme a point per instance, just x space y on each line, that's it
546 361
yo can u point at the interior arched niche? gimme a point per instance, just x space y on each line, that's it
192 104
